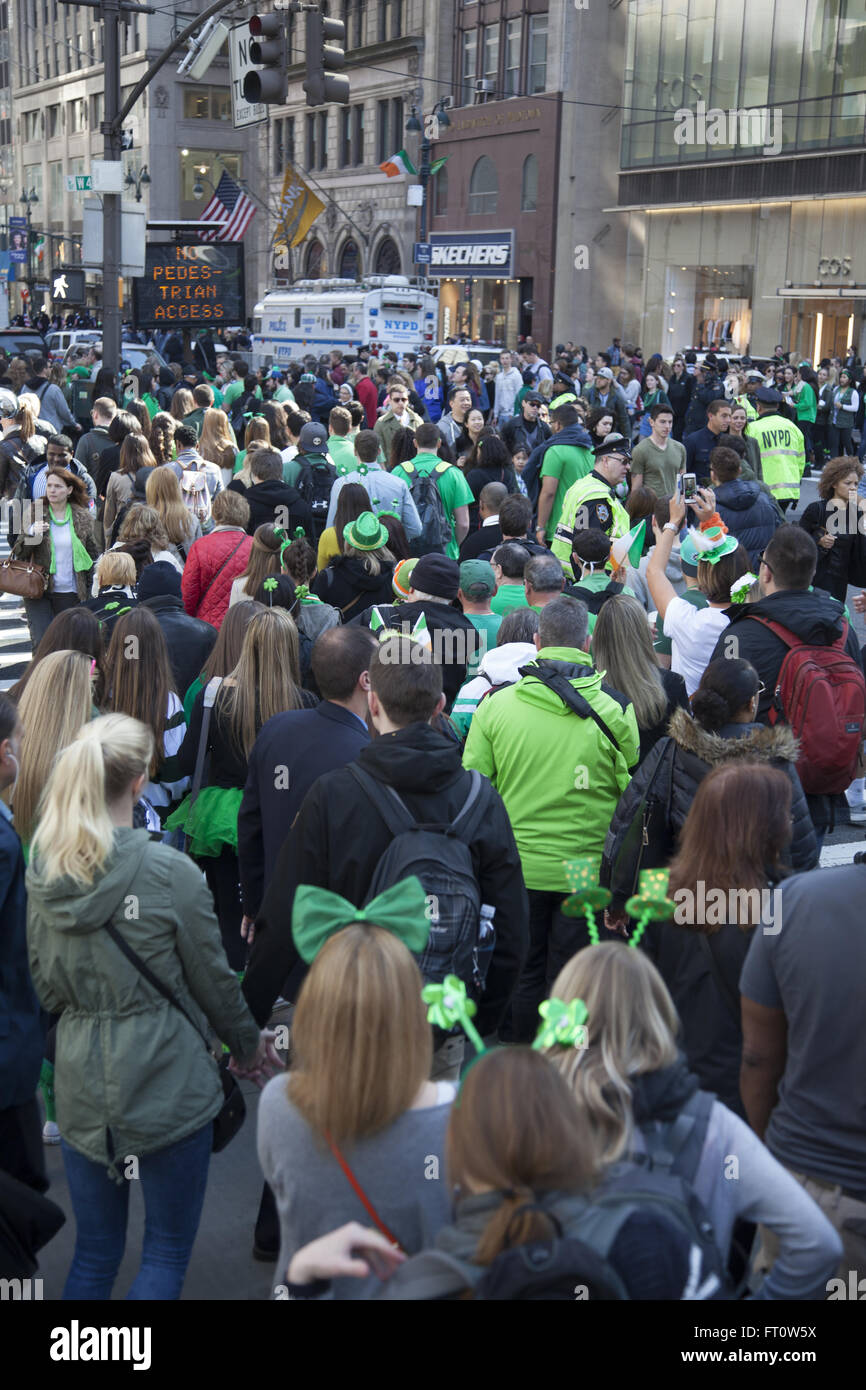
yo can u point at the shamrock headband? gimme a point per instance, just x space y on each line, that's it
285 540
563 1025
319 914
344 469
649 904
740 590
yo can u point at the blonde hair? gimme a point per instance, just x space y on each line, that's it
623 650
372 560
115 567
266 680
632 1026
76 832
55 703
164 495
362 1044
216 444
25 417
143 523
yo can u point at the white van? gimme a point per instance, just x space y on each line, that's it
386 311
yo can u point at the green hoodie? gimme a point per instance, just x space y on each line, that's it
132 1076
559 776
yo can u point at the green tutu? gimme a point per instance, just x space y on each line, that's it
212 823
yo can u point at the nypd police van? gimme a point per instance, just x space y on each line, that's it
386 311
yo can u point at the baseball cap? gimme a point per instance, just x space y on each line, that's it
534 398
689 557
605 372
477 579
754 375
313 439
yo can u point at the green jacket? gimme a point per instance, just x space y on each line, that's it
132 1076
559 776
783 454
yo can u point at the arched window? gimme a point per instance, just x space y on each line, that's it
388 258
315 261
529 190
484 187
350 261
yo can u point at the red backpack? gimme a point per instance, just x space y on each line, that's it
821 693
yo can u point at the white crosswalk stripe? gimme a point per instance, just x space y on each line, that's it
15 649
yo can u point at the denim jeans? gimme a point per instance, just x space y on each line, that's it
173 1182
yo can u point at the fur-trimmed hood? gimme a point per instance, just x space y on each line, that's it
756 743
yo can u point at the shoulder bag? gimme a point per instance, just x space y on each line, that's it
233 1111
24 578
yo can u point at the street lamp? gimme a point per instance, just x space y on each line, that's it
438 120
28 199
137 180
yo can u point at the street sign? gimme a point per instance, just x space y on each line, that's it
79 183
68 287
422 253
187 286
244 112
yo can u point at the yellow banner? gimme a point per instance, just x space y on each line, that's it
299 208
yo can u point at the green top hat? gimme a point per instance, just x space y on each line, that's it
366 532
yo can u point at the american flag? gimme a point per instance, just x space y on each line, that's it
231 206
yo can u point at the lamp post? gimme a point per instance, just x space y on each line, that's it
137 180
28 199
436 121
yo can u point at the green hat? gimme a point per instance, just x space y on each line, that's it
477 580
366 532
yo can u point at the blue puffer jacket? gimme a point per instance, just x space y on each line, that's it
748 514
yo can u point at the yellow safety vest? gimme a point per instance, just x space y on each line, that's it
585 490
783 454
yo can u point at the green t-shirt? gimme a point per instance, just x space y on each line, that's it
569 464
233 390
292 470
659 466
488 625
453 489
342 451
662 644
508 596
283 394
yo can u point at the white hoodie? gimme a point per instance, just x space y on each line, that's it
499 666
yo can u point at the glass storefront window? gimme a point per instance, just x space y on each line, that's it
802 63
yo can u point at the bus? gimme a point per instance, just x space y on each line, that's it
388 312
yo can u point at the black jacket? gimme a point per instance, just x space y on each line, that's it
265 498
711 390
189 640
749 514
450 651
679 392
514 434
346 585
339 837
307 743
675 690
480 540
664 786
845 562
109 605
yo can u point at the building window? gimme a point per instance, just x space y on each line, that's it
389 128
388 258
56 190
207 104
529 189
440 192
311 142
200 166
317 140
382 141
279 148
345 136
322 141
468 65
355 23
484 187
537 53
97 109
314 262
513 37
358 134
490 54
33 179
390 19
351 136
350 265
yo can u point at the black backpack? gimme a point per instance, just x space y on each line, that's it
314 483
435 527
439 854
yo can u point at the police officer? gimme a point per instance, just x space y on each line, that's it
783 450
593 501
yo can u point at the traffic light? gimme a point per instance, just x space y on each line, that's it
323 86
269 49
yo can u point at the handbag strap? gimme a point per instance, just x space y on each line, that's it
210 694
135 959
362 1196
218 572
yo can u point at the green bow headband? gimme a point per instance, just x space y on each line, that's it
649 904
254 415
319 914
563 1025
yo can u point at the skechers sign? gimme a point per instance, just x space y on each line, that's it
476 254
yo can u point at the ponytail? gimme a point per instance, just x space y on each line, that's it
25 419
76 832
520 1220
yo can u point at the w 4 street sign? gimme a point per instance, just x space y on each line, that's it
79 183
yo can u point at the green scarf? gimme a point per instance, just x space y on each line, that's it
80 558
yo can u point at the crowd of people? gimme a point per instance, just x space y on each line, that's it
363 687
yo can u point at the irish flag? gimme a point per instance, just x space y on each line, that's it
398 166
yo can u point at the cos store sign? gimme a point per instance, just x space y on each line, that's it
191 285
